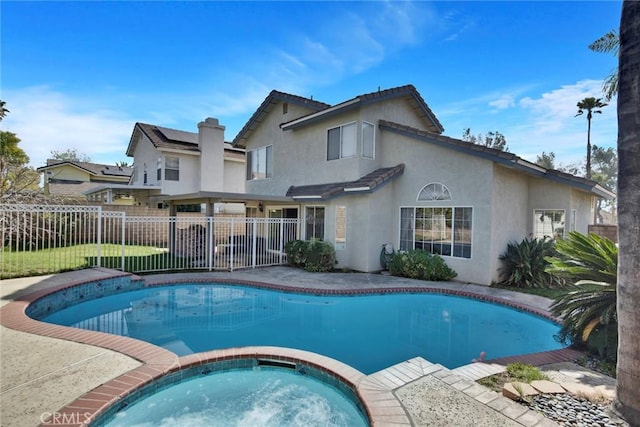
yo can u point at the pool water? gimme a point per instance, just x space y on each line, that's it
368 332
258 398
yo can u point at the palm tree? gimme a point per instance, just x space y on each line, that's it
590 105
609 43
3 110
627 400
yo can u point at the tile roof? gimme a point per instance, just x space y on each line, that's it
502 157
365 184
408 91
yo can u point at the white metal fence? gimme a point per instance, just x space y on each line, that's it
40 239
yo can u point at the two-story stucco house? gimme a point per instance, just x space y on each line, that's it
167 162
376 169
74 178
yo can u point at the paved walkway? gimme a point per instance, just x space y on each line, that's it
41 374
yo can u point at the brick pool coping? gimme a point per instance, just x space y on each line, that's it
158 361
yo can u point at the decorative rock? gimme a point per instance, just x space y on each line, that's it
544 386
516 390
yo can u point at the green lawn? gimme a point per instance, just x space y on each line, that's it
46 261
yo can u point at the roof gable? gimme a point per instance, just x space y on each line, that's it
407 92
95 169
173 139
504 158
267 106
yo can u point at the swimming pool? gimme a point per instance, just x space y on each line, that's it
369 332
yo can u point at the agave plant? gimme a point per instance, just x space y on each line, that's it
524 264
590 263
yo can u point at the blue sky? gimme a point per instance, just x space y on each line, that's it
80 74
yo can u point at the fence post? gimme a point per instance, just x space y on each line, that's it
210 244
254 243
123 220
232 242
99 236
281 241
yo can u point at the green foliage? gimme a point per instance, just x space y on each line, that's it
312 255
419 264
524 373
591 264
494 140
15 175
524 264
70 155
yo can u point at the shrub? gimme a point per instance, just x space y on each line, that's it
524 264
419 264
589 309
312 255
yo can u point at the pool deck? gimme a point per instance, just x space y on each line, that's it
44 370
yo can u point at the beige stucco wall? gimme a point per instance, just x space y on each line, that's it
69 173
510 210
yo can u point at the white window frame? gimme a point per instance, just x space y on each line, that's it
170 169
546 232
267 170
306 223
373 140
434 191
342 127
453 230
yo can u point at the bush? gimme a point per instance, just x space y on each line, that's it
525 264
419 264
312 255
588 310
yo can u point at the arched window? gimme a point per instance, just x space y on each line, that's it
434 191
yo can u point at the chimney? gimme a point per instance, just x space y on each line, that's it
211 144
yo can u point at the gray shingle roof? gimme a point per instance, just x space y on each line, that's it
365 184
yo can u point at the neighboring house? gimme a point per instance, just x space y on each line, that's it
376 169
167 162
74 179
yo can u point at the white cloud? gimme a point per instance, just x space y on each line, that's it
46 120
552 110
503 102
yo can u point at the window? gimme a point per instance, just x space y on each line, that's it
434 191
285 107
445 231
314 222
341 142
144 178
159 169
368 140
548 223
172 168
259 163
341 227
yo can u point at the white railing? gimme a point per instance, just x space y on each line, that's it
40 239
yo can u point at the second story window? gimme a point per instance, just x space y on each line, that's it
144 176
260 163
172 168
368 141
159 170
341 142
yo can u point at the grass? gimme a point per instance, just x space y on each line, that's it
47 261
516 372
